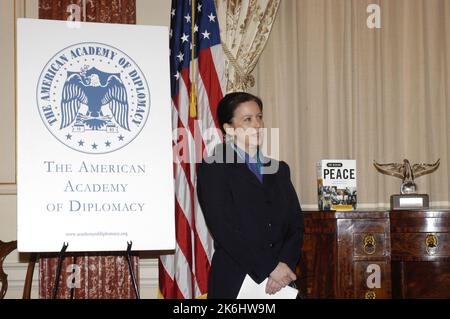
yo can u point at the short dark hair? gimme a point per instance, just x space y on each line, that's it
229 103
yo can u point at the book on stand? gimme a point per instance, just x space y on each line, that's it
336 184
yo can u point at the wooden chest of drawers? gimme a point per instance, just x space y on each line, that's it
420 254
376 254
346 255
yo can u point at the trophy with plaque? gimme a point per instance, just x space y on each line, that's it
408 197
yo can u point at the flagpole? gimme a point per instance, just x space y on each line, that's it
193 98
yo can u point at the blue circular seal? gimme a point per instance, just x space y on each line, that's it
93 98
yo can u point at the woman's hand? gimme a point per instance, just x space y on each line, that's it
272 286
279 278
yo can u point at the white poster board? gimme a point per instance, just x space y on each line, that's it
95 167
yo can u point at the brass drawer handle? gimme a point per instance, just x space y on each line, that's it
431 243
370 295
369 244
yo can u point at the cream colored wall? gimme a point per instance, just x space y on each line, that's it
15 263
7 117
149 12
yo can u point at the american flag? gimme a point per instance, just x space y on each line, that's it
185 274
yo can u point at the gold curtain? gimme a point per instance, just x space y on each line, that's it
338 89
107 275
244 29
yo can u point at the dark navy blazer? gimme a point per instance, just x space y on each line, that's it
254 225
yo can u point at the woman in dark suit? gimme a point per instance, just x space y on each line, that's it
250 205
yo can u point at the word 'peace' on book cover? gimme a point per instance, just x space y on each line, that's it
336 184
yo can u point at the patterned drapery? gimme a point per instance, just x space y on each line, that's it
105 275
245 26
100 276
107 11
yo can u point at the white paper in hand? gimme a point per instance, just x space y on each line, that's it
251 290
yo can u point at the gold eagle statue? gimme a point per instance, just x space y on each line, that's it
405 170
